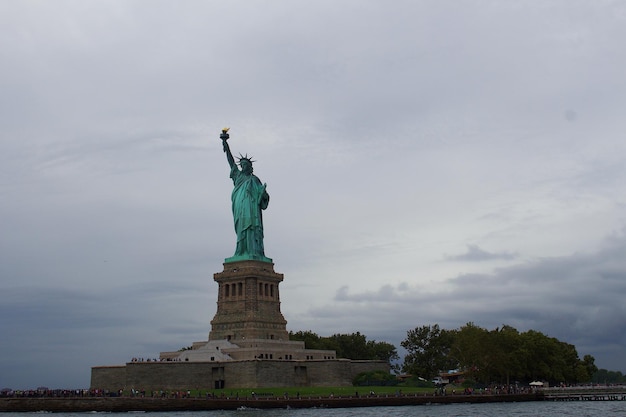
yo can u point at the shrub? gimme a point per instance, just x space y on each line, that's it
374 378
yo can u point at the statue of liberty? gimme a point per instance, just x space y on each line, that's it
249 197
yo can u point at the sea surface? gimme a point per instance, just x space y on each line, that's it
525 409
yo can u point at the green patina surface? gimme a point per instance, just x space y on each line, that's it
249 198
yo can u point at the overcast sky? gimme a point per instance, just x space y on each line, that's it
427 161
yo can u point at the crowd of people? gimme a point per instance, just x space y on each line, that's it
57 393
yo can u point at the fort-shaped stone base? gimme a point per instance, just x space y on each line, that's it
248 346
259 373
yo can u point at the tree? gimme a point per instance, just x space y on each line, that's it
589 362
428 351
350 346
470 349
603 376
382 351
505 359
537 358
572 369
311 340
488 356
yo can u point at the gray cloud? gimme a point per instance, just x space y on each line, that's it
476 254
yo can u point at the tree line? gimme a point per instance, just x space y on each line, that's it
502 355
351 346
603 376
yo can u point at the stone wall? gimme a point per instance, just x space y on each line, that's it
112 378
235 374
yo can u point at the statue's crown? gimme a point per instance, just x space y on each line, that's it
245 158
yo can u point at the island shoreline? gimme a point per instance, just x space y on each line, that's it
126 404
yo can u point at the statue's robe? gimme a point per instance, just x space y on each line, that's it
248 199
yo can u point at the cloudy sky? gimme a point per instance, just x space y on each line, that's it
427 161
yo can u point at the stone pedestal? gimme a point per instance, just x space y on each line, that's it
248 303
248 346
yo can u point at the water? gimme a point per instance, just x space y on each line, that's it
525 409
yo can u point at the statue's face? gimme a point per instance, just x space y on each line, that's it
246 167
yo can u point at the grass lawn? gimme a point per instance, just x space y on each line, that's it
293 392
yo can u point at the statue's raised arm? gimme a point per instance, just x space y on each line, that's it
229 156
249 197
